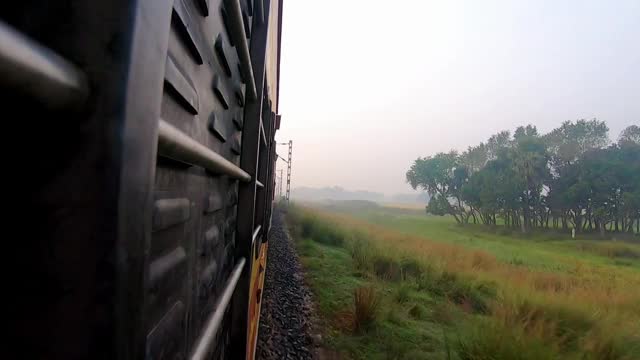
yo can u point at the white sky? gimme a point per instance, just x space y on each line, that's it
367 86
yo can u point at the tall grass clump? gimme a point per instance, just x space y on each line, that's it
473 296
488 340
570 330
387 268
418 312
366 301
306 225
362 254
612 250
403 293
411 268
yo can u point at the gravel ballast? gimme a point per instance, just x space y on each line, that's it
285 330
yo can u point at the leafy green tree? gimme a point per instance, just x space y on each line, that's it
483 196
475 157
498 143
442 177
439 205
530 164
627 157
630 135
567 176
569 141
525 132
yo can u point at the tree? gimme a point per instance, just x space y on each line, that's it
567 175
498 143
627 157
565 145
438 205
481 194
475 157
525 132
568 142
442 177
630 135
572 192
530 164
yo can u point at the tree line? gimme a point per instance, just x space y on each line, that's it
572 177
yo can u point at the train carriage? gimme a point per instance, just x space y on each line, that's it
149 180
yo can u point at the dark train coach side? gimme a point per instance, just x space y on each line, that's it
146 188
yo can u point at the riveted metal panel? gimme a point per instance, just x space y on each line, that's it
131 250
201 48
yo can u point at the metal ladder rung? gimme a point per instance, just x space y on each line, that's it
39 71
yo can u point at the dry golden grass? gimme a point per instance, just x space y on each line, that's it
366 302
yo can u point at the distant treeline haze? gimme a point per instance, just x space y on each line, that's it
572 177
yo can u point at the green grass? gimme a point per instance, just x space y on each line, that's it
444 291
399 332
333 279
545 251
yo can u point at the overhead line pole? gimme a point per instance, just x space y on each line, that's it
289 172
288 161
280 191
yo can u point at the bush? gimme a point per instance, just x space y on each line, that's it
424 280
396 318
304 225
558 324
403 293
417 355
411 268
483 261
305 247
469 298
307 226
361 254
491 341
613 250
325 234
418 312
442 313
387 268
607 345
366 303
524 329
473 297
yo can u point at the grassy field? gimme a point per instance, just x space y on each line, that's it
393 283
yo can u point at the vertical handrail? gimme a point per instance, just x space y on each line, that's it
206 340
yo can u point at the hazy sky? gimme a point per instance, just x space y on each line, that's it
368 86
